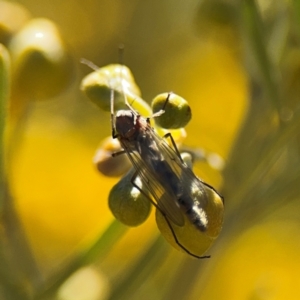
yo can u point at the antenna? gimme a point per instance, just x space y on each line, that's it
121 49
89 64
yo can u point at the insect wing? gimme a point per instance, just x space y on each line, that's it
190 183
153 185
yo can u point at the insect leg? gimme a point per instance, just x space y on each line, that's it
169 135
133 178
118 153
166 218
112 114
167 100
212 188
162 111
179 244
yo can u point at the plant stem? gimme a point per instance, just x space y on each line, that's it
4 98
96 251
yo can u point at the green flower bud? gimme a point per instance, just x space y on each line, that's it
177 112
99 84
192 238
41 66
127 203
107 164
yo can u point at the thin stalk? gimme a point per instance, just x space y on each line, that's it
143 268
253 32
4 99
97 251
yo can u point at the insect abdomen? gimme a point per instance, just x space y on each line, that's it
194 212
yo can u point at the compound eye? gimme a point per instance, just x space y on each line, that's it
131 118
125 122
128 118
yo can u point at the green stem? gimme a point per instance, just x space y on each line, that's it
17 253
253 31
96 251
138 274
10 281
4 98
185 279
296 11
282 137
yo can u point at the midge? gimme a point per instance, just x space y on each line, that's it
182 199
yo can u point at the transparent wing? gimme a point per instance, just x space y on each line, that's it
153 183
192 187
190 182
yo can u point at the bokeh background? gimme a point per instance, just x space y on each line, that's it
238 65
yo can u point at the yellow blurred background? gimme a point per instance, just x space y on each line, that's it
200 50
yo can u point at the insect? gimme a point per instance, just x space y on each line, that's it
172 187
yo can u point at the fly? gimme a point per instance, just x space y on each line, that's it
166 180
189 211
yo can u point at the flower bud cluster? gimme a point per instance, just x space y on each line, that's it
126 202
